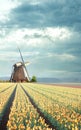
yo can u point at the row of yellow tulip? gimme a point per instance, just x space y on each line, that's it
23 115
65 96
4 97
59 103
4 86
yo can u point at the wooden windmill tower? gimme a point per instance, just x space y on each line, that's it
20 73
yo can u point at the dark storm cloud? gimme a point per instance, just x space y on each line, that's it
48 13
70 47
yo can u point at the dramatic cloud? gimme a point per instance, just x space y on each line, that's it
46 14
48 34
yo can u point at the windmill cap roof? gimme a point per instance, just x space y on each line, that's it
18 64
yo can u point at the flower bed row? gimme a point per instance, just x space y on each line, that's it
23 115
66 96
57 110
4 86
4 97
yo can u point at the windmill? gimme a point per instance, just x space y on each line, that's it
20 73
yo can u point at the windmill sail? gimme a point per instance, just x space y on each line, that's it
25 69
20 73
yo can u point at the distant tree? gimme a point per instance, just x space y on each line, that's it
34 79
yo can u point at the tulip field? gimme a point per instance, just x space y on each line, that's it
32 106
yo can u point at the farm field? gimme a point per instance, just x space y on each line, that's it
28 106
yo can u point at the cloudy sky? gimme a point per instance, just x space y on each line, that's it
48 33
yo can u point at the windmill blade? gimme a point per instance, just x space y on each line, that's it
24 64
27 63
11 75
21 55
